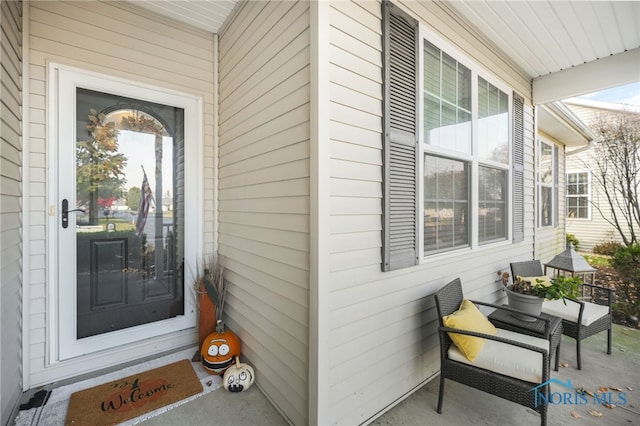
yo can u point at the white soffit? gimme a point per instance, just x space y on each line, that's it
208 15
559 122
566 47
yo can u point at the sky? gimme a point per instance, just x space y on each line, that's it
628 94
139 148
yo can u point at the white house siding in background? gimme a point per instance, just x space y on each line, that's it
550 240
11 247
264 193
382 325
121 41
595 229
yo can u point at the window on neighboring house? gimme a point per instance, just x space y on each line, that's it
457 132
578 195
546 183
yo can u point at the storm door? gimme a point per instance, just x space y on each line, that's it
121 221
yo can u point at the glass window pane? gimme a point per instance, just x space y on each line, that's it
545 206
493 123
449 79
546 164
504 103
431 119
463 132
483 98
431 69
446 204
447 101
464 87
492 200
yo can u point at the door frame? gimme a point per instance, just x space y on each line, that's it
61 342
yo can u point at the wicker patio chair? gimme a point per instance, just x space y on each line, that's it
448 300
580 319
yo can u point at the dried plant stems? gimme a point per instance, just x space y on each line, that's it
212 281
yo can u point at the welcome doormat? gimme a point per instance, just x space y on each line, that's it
53 411
117 401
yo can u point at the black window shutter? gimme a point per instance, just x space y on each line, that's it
518 168
400 153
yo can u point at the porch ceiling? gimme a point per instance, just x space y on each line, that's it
208 15
566 48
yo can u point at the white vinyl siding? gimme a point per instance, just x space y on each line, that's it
264 193
595 229
371 309
124 42
10 207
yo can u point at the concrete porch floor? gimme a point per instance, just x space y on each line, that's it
462 405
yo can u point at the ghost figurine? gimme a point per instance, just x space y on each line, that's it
238 377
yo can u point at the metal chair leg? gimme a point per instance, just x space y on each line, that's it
609 340
578 353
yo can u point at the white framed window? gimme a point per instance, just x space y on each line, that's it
578 196
546 178
465 122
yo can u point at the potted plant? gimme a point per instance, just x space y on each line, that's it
526 294
210 287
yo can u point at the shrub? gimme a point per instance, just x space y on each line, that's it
571 238
608 248
626 262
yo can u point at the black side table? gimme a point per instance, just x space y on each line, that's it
503 319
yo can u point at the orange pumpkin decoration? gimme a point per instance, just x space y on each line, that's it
219 350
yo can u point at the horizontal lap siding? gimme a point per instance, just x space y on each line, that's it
119 40
264 193
10 207
369 309
595 230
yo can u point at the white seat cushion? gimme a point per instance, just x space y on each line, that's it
506 359
571 310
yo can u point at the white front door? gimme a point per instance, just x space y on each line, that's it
126 234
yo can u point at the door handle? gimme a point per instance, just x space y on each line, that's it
66 211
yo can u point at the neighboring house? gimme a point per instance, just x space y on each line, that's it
588 211
347 159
